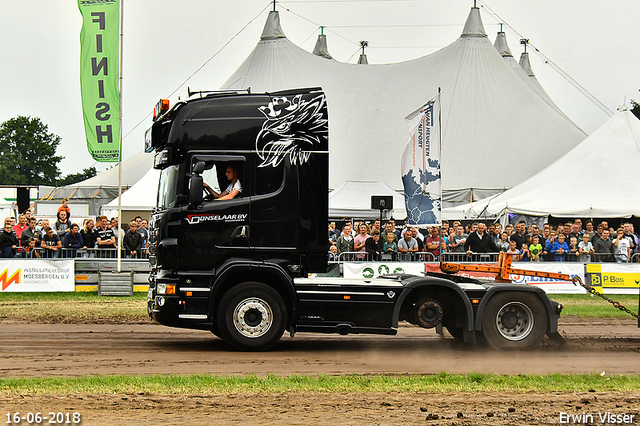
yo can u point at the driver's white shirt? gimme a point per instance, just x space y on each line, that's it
237 186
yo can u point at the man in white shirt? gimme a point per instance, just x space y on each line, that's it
233 190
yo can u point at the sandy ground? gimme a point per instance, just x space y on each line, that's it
50 350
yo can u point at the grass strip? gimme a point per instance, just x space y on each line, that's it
588 306
209 384
90 308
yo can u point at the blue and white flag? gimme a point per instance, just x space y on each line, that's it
421 165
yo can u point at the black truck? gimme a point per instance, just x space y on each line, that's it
240 225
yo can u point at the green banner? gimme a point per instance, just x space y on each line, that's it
99 77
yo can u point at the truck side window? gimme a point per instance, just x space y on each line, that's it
210 177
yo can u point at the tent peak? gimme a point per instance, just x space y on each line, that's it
525 64
501 45
473 27
320 48
272 28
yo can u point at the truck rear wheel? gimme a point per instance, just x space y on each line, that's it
251 317
514 321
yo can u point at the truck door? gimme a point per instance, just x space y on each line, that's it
274 209
216 228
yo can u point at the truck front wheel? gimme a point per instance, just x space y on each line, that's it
251 317
514 321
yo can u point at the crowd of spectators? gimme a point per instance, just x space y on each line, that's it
566 242
29 237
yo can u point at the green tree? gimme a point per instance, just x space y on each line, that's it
77 177
28 152
636 108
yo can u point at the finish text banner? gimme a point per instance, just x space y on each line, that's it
99 78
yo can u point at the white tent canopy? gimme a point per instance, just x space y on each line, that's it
102 188
140 198
489 112
596 179
353 200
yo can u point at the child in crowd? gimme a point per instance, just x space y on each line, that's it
560 249
513 250
585 249
503 244
526 256
535 249
65 207
573 249
390 246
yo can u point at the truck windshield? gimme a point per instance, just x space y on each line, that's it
168 187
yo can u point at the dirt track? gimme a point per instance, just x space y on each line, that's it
46 350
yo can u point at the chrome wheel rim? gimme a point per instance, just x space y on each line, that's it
253 317
514 321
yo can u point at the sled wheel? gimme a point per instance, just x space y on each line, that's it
514 321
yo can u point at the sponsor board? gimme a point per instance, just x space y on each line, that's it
551 285
613 277
373 269
37 275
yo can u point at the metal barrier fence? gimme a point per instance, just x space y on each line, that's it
461 257
67 253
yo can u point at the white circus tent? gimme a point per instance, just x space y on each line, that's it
353 200
138 200
489 112
595 179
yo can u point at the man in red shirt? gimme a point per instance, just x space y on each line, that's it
20 226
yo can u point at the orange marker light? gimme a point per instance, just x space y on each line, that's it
347 297
171 289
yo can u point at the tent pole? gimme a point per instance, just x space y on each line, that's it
119 240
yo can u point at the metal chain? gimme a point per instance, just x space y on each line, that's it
592 290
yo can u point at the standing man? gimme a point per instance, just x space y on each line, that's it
51 243
106 237
345 240
408 245
434 242
604 247
142 231
8 241
518 235
360 240
31 232
20 226
388 229
480 241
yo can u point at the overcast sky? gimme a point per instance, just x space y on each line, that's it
167 41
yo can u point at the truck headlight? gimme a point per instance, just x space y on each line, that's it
161 288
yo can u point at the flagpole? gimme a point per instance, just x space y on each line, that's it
441 240
119 245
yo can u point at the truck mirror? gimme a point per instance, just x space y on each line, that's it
198 168
195 190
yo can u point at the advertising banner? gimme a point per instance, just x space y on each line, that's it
420 165
99 72
551 285
375 269
619 278
31 275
